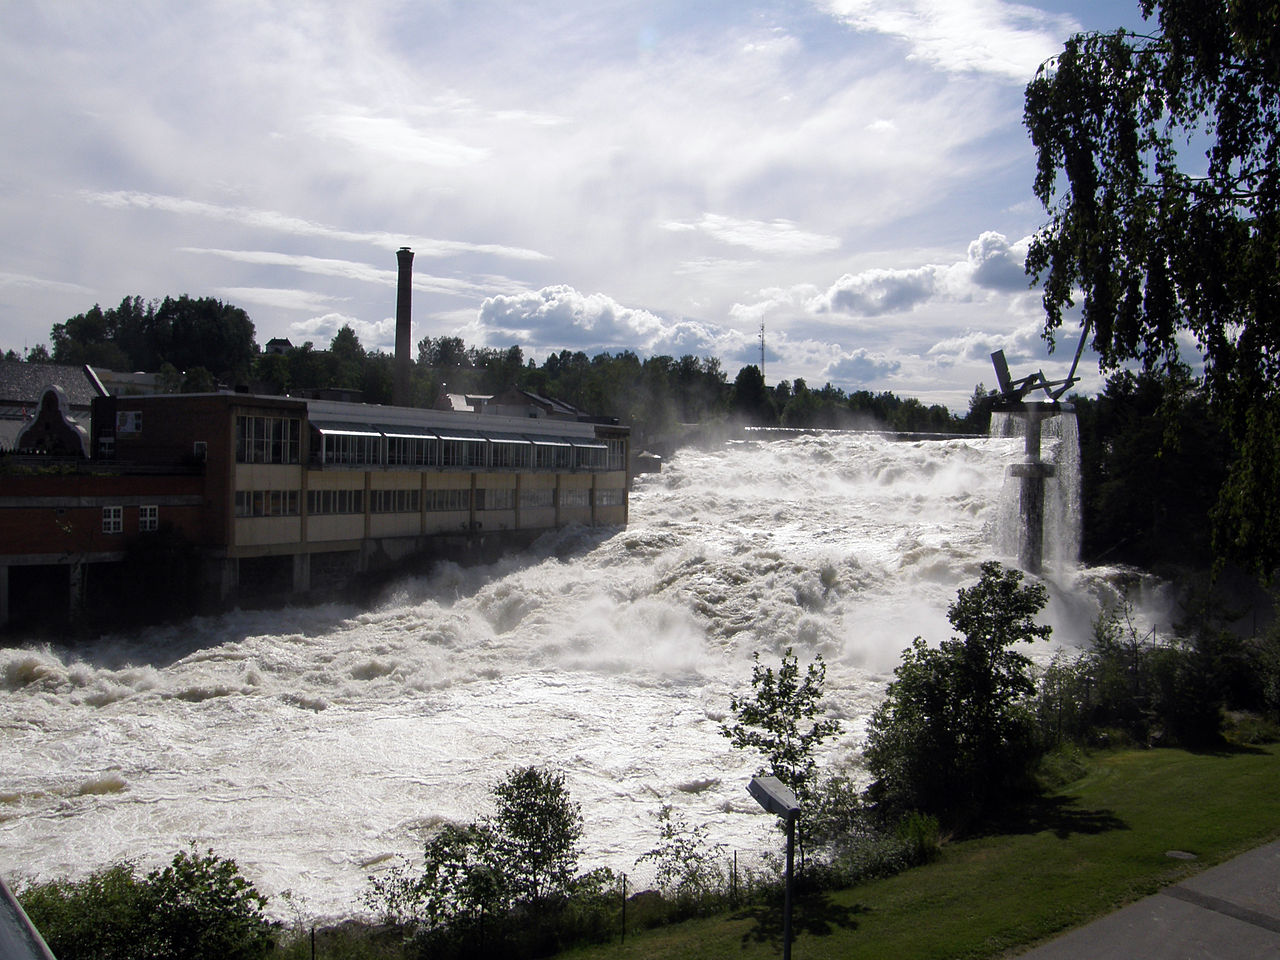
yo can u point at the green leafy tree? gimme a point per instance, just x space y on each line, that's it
536 830
1157 165
780 719
750 398
954 735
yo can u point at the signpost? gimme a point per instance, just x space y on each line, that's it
776 798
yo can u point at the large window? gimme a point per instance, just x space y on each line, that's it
148 518
267 503
510 454
335 501
410 451
535 497
552 455
350 448
267 439
488 498
591 456
393 501
610 497
575 497
441 500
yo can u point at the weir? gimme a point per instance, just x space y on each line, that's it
1034 473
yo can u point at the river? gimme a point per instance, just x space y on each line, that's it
315 745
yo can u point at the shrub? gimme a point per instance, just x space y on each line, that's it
197 908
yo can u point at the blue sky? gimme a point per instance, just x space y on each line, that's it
662 177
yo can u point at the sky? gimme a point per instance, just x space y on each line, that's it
664 177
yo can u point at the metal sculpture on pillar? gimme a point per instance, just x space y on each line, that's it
1033 471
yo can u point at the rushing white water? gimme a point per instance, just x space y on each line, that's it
312 745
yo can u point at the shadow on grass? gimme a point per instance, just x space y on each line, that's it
1058 814
813 914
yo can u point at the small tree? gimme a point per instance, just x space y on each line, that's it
772 719
954 733
536 830
687 866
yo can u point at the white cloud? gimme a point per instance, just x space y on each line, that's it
860 367
777 237
979 36
355 270
277 222
285 299
379 335
393 139
876 292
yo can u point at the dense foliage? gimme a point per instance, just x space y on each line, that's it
185 333
1159 164
954 735
198 907
1152 458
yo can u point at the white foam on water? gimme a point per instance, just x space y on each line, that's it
314 745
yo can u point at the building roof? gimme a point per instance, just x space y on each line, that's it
24 382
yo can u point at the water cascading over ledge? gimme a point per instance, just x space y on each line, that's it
1040 507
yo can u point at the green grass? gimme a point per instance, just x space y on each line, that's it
1094 845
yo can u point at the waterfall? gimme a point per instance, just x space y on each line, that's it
317 745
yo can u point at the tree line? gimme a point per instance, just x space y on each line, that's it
196 343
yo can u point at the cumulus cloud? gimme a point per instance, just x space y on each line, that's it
560 317
378 335
860 367
998 265
774 237
991 265
963 36
878 291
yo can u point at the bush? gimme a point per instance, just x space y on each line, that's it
954 736
504 885
197 908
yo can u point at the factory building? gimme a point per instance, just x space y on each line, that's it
287 496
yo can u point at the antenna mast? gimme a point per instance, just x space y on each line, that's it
762 351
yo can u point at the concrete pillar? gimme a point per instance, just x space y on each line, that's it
1033 473
75 596
225 575
302 573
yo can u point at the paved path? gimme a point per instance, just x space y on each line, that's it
1230 912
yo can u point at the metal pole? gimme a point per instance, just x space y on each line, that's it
786 905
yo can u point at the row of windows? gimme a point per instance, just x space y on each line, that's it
284 503
113 519
335 501
393 501
267 503
267 439
370 449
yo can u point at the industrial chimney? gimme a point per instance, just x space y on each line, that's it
404 334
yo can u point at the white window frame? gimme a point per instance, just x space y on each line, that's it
113 520
148 518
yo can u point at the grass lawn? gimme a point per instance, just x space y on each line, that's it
1096 844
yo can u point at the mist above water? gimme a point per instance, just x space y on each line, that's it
315 744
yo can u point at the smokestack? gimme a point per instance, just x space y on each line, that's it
404 335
